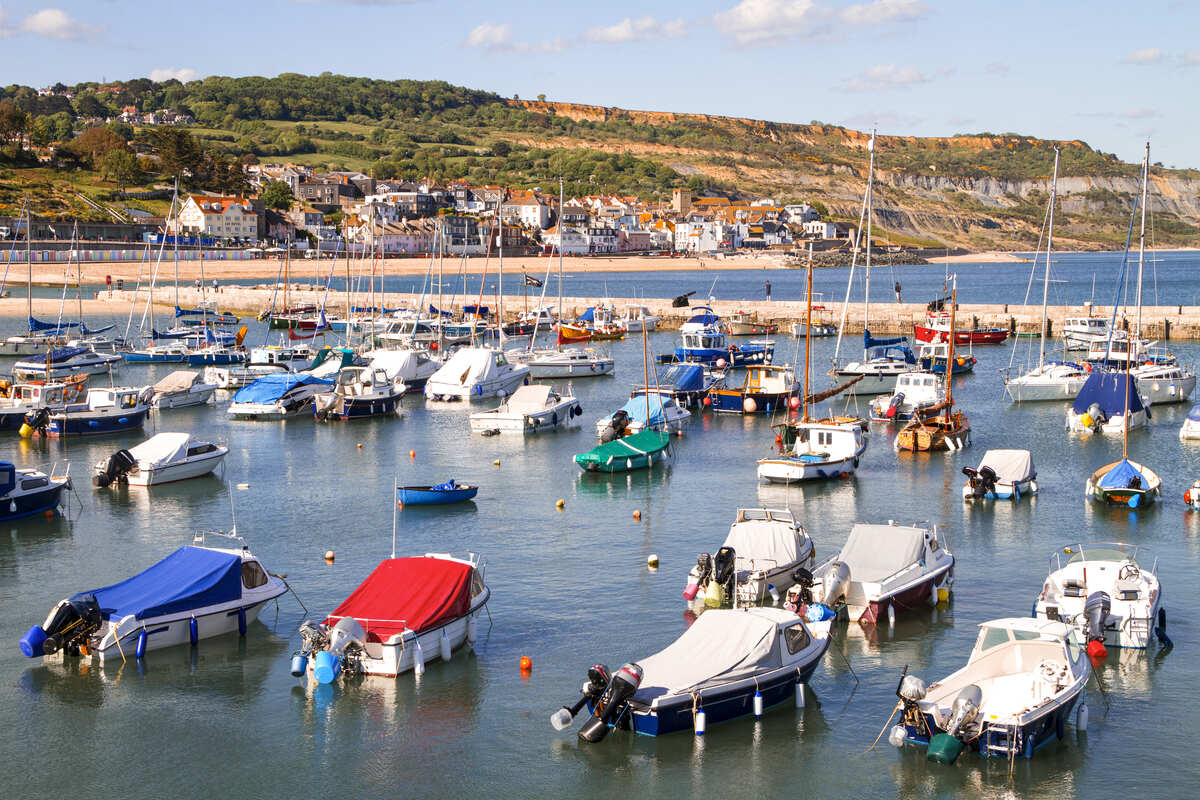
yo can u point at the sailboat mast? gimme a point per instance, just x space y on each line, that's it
1049 249
558 308
175 239
29 260
867 264
646 375
950 351
1141 251
500 269
808 330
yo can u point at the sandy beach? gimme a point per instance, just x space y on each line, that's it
989 257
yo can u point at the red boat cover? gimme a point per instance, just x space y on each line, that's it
417 593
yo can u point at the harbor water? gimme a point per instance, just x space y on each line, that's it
571 588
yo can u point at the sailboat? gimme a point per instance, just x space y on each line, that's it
878 368
812 449
940 427
41 336
1049 380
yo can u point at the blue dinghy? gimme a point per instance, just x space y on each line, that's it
441 494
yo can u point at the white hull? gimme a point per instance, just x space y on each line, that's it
638 325
476 391
29 371
793 470
1190 430
872 382
1160 391
196 396
553 419
193 467
592 369
1029 390
23 348
174 629
267 411
1113 425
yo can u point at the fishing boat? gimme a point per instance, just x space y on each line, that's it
102 411
1016 694
818 330
359 393
937 427
1084 333
705 320
914 395
573 334
1001 475
163 458
276 396
413 367
531 409
476 373
711 346
742 323
730 663
572 362
635 451
25 492
1105 403
765 389
27 399
937 329
1124 483
1108 592
933 357
637 319
65 362
181 389
197 592
406 613
688 384
757 563
884 570
438 495
643 411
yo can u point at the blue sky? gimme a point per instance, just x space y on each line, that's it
1108 73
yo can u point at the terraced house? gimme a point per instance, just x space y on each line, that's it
220 217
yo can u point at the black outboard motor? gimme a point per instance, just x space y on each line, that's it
616 426
612 703
982 482
598 680
120 464
723 566
1096 610
73 622
38 420
804 579
704 567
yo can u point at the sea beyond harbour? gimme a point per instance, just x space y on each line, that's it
571 588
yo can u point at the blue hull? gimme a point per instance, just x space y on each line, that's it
32 503
221 360
142 358
11 420
743 355
87 425
939 367
362 409
735 402
428 497
994 742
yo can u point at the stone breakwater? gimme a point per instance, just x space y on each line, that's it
1163 323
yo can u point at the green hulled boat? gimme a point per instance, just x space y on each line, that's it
639 451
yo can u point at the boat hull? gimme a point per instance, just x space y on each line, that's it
29 504
427 496
924 333
1007 741
593 369
175 630
921 595
1047 391
89 423
871 383
476 391
194 467
347 409
194 397
794 470
734 402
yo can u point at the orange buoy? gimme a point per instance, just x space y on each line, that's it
412 453
637 514
526 663
360 445
329 556
49 513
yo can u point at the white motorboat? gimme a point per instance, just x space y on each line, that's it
29 344
180 389
758 562
276 396
637 319
531 409
64 362
1103 403
883 570
406 613
1001 475
1052 380
706 320
163 458
358 393
406 333
879 370
1164 380
1190 429
263 361
814 450
645 410
1108 592
915 392
195 593
413 367
571 362
1084 333
819 329
476 373
1016 693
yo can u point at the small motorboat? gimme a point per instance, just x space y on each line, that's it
766 389
412 367
689 384
1053 380
170 353
1109 592
1016 693
103 410
407 612
932 358
276 396
915 392
195 593
644 411
572 362
937 329
64 362
637 319
263 361
1124 483
1190 430
705 320
23 398
163 458
816 449
711 346
635 451
216 355
359 393
742 323
181 389
1103 403
1162 379
25 492
764 554
1001 475
730 663
819 329
476 373
883 570
531 409
879 369
1084 333
441 494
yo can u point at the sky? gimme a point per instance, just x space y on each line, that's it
1111 74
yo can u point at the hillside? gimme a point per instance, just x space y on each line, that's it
978 191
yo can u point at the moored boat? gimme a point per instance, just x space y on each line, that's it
1124 483
180 389
104 410
64 362
643 411
1001 475
476 373
359 393
438 495
25 492
765 389
163 458
531 409
636 451
276 396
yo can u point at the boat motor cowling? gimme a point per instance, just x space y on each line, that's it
612 703
835 584
804 579
598 678
1096 610
616 426
964 709
73 622
120 464
894 405
699 576
723 565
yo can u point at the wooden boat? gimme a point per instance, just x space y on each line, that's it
441 494
1124 483
939 427
608 331
636 451
740 324
568 334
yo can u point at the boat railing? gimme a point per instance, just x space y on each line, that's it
55 475
199 538
1078 554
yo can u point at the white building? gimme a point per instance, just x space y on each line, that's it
820 229
601 240
220 217
800 213
573 242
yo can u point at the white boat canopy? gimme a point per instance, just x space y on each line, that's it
763 544
162 449
178 381
1010 466
531 399
873 552
468 366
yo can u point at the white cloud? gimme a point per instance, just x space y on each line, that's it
765 22
5 31
182 75
1150 55
885 76
54 23
879 12
634 30
490 35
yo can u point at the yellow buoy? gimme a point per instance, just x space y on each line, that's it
652 561
360 445
1085 419
26 430
560 504
496 463
943 594
329 556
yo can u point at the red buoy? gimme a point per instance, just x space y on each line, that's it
1096 649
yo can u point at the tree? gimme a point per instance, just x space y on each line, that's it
541 98
178 153
278 195
122 167
93 144
501 149
88 105
14 123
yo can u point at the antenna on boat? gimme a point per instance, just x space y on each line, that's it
395 510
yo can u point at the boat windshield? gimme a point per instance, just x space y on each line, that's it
1104 551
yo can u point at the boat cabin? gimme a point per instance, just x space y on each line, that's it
766 379
704 340
120 398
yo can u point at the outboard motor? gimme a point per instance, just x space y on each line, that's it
1096 609
720 578
835 584
35 422
802 578
598 680
699 577
73 622
894 406
120 464
616 426
345 644
612 703
946 747
1097 414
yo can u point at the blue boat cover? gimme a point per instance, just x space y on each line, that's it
707 318
190 578
682 377
65 354
589 314
270 388
1119 476
636 409
894 352
38 325
482 311
1109 389
448 486
869 342
1194 414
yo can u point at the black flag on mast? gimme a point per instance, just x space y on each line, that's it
532 281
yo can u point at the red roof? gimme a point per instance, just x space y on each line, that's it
416 593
